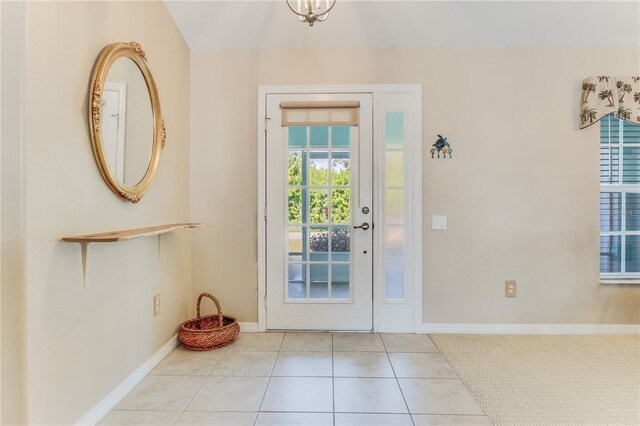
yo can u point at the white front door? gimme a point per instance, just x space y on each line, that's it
319 219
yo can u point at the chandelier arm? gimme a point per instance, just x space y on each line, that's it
302 15
323 13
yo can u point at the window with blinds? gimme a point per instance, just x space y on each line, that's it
619 200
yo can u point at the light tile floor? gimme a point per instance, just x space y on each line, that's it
303 379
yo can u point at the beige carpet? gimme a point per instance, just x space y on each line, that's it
549 380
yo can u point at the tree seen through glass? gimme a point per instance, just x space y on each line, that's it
318 172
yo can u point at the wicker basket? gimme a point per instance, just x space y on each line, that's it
212 331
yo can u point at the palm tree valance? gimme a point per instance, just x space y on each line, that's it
603 95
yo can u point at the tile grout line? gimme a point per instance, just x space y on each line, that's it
397 380
201 386
333 383
302 412
264 395
346 412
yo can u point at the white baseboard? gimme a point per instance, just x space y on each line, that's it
531 328
103 407
252 327
248 327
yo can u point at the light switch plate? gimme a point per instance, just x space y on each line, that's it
156 305
439 222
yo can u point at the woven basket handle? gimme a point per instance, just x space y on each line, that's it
210 296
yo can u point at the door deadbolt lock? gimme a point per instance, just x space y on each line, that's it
365 210
364 226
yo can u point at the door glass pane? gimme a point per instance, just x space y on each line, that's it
296 169
319 136
340 243
610 253
394 244
610 209
297 288
340 168
394 168
295 205
296 272
394 130
394 281
632 253
298 137
319 280
319 168
340 136
340 206
319 244
319 208
633 211
297 243
340 281
319 290
394 206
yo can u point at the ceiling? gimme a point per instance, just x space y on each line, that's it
214 25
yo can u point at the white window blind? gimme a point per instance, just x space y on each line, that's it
319 113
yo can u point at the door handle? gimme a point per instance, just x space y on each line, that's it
364 226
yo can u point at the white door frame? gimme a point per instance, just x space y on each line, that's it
414 186
121 88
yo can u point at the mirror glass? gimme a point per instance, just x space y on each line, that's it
127 122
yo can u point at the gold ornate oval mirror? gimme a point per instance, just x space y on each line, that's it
126 126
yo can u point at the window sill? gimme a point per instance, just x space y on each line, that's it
619 281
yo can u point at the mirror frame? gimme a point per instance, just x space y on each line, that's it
107 57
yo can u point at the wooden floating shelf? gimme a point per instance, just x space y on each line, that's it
128 234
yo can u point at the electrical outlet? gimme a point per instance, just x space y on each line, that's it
510 288
156 305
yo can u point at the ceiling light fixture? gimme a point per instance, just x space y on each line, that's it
311 10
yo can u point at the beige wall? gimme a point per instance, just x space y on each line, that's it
82 343
12 266
521 192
